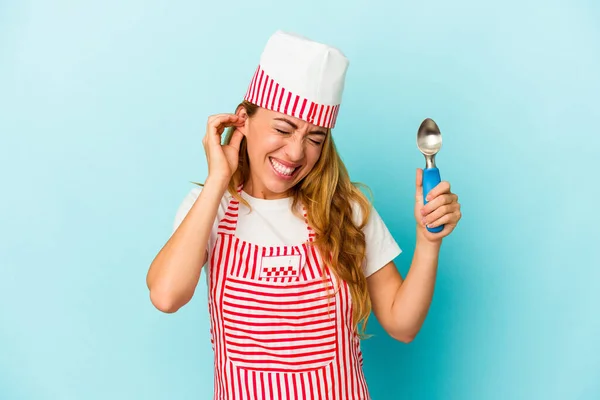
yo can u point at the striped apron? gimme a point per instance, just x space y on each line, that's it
279 329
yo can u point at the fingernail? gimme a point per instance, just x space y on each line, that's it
423 221
422 211
428 198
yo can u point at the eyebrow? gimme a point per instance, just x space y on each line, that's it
293 125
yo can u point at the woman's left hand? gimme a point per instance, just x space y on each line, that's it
442 208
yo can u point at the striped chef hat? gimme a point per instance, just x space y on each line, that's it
299 77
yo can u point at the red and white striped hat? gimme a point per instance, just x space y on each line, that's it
299 77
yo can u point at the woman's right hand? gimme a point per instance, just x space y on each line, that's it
222 158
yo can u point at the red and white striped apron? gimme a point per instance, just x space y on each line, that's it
279 330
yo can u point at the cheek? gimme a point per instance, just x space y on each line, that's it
312 155
261 146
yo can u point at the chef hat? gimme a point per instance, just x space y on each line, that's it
299 77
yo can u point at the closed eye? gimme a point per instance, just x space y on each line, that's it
284 132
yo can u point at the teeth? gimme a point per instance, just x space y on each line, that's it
282 169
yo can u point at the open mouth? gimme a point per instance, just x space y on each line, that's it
283 170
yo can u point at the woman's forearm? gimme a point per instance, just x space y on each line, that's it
175 271
413 298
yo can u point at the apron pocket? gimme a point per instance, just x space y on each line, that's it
279 327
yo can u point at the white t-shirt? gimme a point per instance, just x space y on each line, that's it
272 223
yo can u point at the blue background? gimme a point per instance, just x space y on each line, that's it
102 111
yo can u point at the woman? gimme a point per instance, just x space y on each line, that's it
295 256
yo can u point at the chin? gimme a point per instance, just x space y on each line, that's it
278 187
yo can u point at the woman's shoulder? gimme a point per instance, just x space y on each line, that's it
190 198
359 208
195 191
366 215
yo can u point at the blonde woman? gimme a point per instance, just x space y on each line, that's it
295 256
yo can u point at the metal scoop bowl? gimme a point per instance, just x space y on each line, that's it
429 142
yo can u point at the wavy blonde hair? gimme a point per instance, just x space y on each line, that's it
328 196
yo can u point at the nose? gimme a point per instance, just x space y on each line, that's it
294 149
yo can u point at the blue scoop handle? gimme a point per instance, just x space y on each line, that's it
431 178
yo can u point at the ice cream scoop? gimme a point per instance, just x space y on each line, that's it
429 142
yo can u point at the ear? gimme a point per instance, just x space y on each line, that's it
241 112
